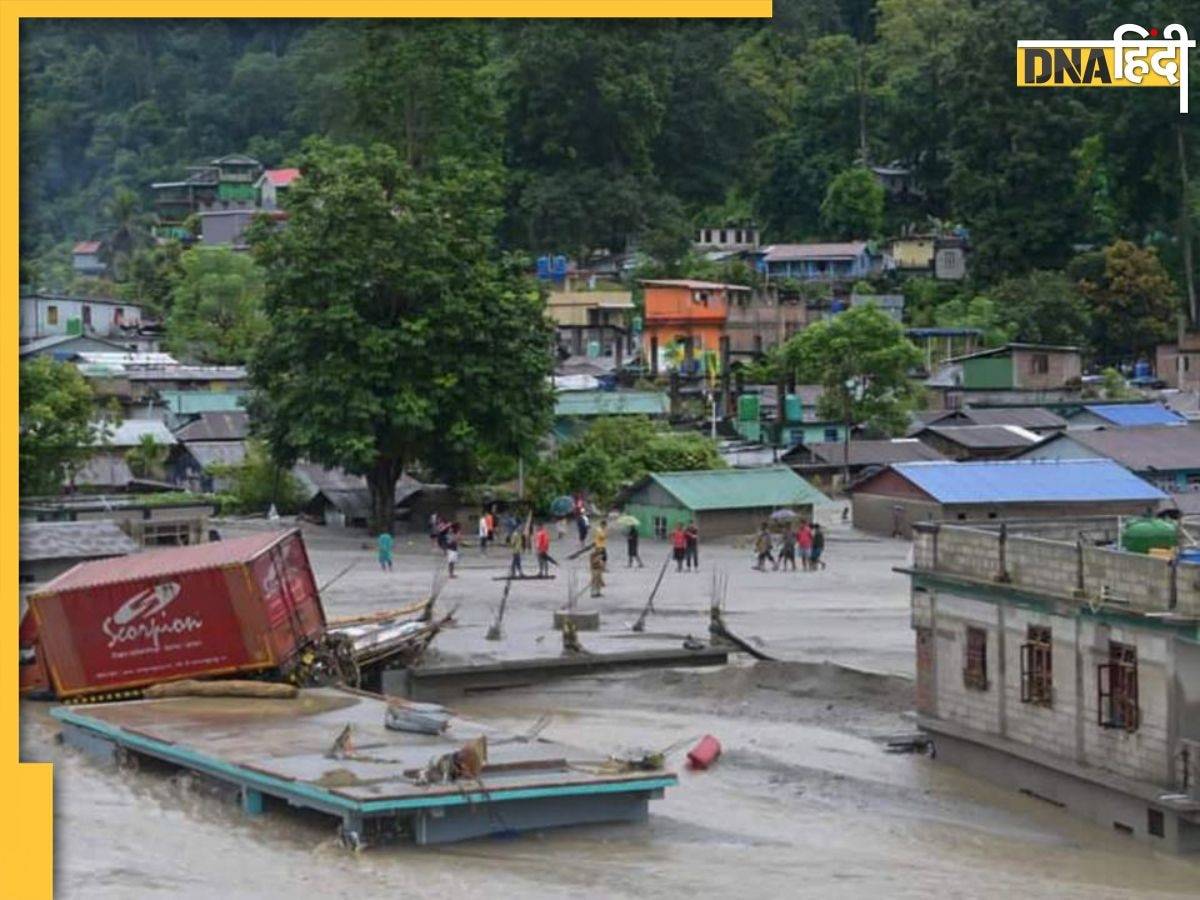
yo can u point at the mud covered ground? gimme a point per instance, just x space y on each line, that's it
804 801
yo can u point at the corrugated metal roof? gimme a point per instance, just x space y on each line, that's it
103 470
693 284
130 433
1027 481
56 340
1131 414
789 252
188 402
1148 448
74 540
770 486
612 403
223 453
166 562
871 453
281 177
985 437
86 247
215 426
1023 416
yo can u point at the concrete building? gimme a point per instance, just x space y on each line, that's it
760 320
895 499
1178 364
1063 670
684 322
593 323
728 239
44 315
85 259
722 502
226 227
1021 367
1164 455
969 442
50 548
273 185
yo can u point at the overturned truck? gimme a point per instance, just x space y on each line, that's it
248 607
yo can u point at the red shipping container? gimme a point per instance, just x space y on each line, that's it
238 606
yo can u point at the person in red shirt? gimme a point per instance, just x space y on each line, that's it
804 540
679 543
541 543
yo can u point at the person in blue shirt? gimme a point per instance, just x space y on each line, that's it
385 543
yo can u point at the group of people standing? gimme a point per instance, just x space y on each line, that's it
685 547
807 542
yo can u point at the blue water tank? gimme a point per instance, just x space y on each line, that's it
543 267
1141 369
1190 555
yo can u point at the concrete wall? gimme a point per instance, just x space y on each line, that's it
1128 581
1069 727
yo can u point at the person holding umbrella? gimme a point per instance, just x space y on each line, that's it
630 523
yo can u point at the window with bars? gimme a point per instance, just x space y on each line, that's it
1117 688
975 662
1037 672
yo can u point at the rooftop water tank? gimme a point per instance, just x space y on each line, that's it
1140 535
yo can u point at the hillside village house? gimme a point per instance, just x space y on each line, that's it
1178 364
760 320
593 323
1063 670
43 315
963 442
844 261
912 253
1123 415
684 320
227 182
722 502
273 185
939 344
895 499
729 239
85 258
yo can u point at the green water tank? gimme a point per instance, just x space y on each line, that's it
1141 535
748 408
792 409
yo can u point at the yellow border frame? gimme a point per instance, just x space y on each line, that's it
26 846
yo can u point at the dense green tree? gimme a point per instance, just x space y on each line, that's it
1134 304
151 277
1042 308
615 452
853 205
56 424
396 334
216 312
126 230
862 359
258 482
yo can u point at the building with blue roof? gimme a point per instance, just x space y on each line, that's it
893 499
1125 415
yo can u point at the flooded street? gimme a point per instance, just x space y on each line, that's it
804 800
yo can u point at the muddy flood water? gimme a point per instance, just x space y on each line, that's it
804 801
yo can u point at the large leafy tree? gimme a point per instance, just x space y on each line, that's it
56 429
862 359
1042 308
216 306
397 333
1134 303
853 205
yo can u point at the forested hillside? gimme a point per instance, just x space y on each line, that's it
616 130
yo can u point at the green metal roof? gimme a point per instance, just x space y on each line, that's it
739 488
612 403
187 402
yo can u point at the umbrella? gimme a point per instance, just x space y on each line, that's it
627 521
782 514
561 506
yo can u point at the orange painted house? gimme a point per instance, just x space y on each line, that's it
684 319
